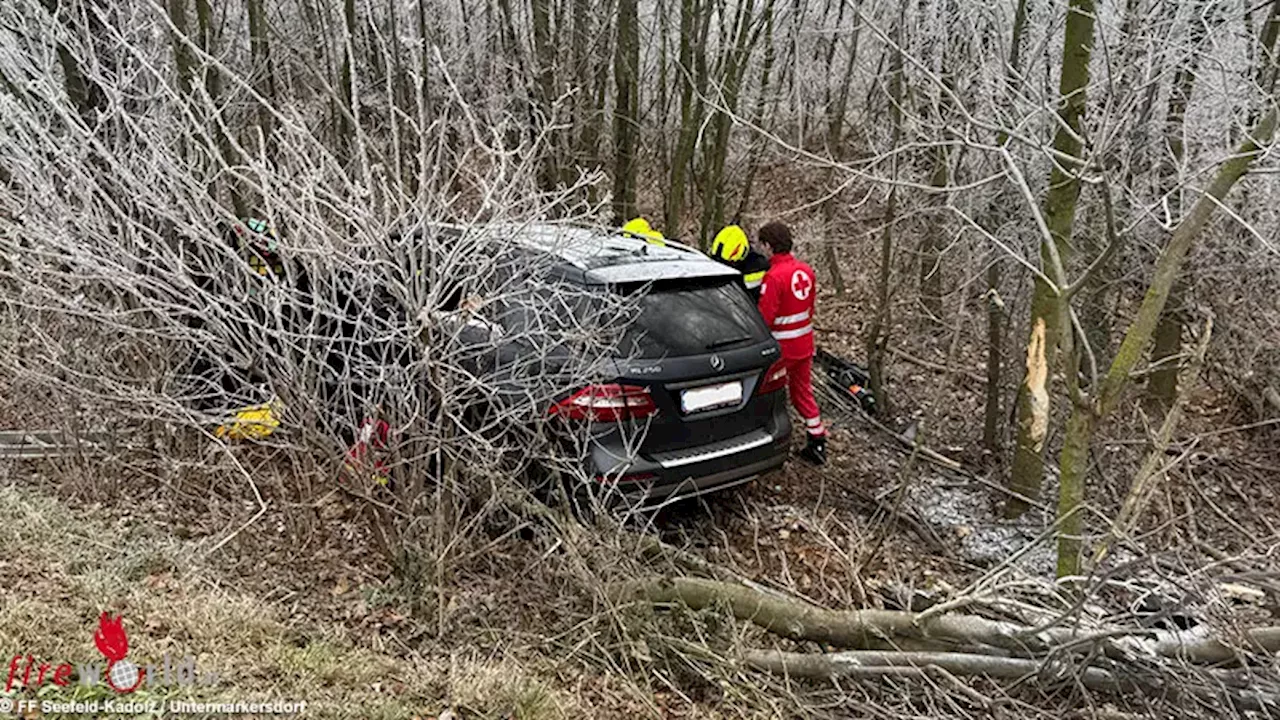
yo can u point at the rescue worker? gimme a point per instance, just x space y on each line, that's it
732 248
639 228
241 374
258 245
787 302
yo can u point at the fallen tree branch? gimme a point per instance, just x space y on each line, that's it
1210 649
852 664
848 628
866 664
870 628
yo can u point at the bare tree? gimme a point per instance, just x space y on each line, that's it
995 304
626 69
877 339
1034 404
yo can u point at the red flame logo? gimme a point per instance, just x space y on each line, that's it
122 675
110 637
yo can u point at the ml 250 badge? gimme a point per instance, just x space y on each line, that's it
651 370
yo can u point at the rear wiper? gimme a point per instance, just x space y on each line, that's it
726 343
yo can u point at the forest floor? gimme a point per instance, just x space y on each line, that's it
291 613
283 617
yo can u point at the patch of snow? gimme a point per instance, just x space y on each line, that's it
964 513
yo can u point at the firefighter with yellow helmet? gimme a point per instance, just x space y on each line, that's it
732 248
639 228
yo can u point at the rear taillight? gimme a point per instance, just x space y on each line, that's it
774 379
607 403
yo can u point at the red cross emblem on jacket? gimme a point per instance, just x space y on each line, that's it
786 302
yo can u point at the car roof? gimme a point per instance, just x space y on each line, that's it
606 255
598 255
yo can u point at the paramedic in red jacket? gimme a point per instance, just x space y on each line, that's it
786 301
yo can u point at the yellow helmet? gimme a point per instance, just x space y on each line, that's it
639 228
730 244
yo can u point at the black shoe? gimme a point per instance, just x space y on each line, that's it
816 451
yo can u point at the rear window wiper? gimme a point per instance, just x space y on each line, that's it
726 343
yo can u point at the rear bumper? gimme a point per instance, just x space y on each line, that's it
691 487
694 471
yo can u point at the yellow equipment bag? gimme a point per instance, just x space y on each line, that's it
252 423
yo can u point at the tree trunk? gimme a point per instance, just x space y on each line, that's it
595 126
935 666
801 621
692 73
1074 463
1034 404
579 60
877 663
626 118
758 119
995 304
263 74
206 40
424 82
85 95
346 130
835 145
1265 76
931 245
995 361
545 60
399 89
213 86
878 334
181 53
1162 388
1074 460
844 629
732 64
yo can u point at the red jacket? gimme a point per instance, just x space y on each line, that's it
786 302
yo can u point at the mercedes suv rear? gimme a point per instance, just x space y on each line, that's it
697 400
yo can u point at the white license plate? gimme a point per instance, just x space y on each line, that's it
729 393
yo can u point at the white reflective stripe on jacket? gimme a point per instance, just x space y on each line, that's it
788 319
789 334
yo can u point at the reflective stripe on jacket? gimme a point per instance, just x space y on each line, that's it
753 268
787 297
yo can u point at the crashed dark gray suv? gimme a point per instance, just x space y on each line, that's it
694 399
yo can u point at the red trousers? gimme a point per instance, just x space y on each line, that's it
800 382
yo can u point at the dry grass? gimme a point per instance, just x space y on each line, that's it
61 566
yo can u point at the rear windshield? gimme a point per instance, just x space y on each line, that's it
692 317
